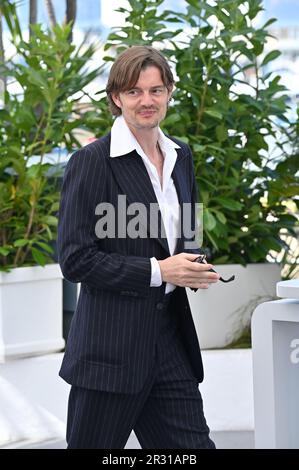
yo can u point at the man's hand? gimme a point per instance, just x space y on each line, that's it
181 271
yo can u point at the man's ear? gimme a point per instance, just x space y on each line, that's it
170 91
116 99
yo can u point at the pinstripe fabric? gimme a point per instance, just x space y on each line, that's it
114 331
166 414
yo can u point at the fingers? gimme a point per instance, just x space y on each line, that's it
201 285
182 271
195 282
202 270
190 256
203 276
198 267
203 279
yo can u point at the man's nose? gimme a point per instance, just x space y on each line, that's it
146 99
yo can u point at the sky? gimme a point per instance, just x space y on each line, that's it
100 14
89 11
286 11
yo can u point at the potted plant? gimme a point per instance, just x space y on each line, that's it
231 110
235 116
39 116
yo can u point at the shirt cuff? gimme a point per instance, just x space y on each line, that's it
156 277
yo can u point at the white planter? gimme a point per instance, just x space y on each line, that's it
221 310
30 311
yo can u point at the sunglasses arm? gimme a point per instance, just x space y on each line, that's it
202 259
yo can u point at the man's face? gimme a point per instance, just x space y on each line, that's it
145 105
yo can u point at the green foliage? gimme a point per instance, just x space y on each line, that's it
145 23
238 136
243 183
243 341
98 118
51 74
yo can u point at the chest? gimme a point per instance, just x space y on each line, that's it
159 167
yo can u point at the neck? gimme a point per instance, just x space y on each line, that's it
146 138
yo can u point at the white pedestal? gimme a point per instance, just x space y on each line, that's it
275 352
30 311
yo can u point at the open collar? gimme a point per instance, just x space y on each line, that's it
124 142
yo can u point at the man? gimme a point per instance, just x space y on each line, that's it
132 355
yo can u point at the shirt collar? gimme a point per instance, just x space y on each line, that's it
123 141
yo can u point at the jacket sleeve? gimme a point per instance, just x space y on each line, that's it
79 254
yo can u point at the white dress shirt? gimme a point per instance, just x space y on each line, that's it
123 142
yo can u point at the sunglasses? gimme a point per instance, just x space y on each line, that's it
202 259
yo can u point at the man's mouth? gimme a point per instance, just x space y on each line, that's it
147 112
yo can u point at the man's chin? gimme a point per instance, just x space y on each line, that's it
151 124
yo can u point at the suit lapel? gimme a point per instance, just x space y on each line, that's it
179 178
134 181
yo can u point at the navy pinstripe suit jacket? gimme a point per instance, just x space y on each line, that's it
111 343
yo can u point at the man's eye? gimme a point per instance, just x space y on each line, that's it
132 92
158 91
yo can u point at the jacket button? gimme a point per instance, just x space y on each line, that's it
160 306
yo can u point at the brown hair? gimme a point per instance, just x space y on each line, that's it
126 69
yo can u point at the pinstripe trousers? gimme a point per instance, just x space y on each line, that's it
166 414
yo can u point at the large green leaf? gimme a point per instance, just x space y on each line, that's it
209 221
271 56
229 203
